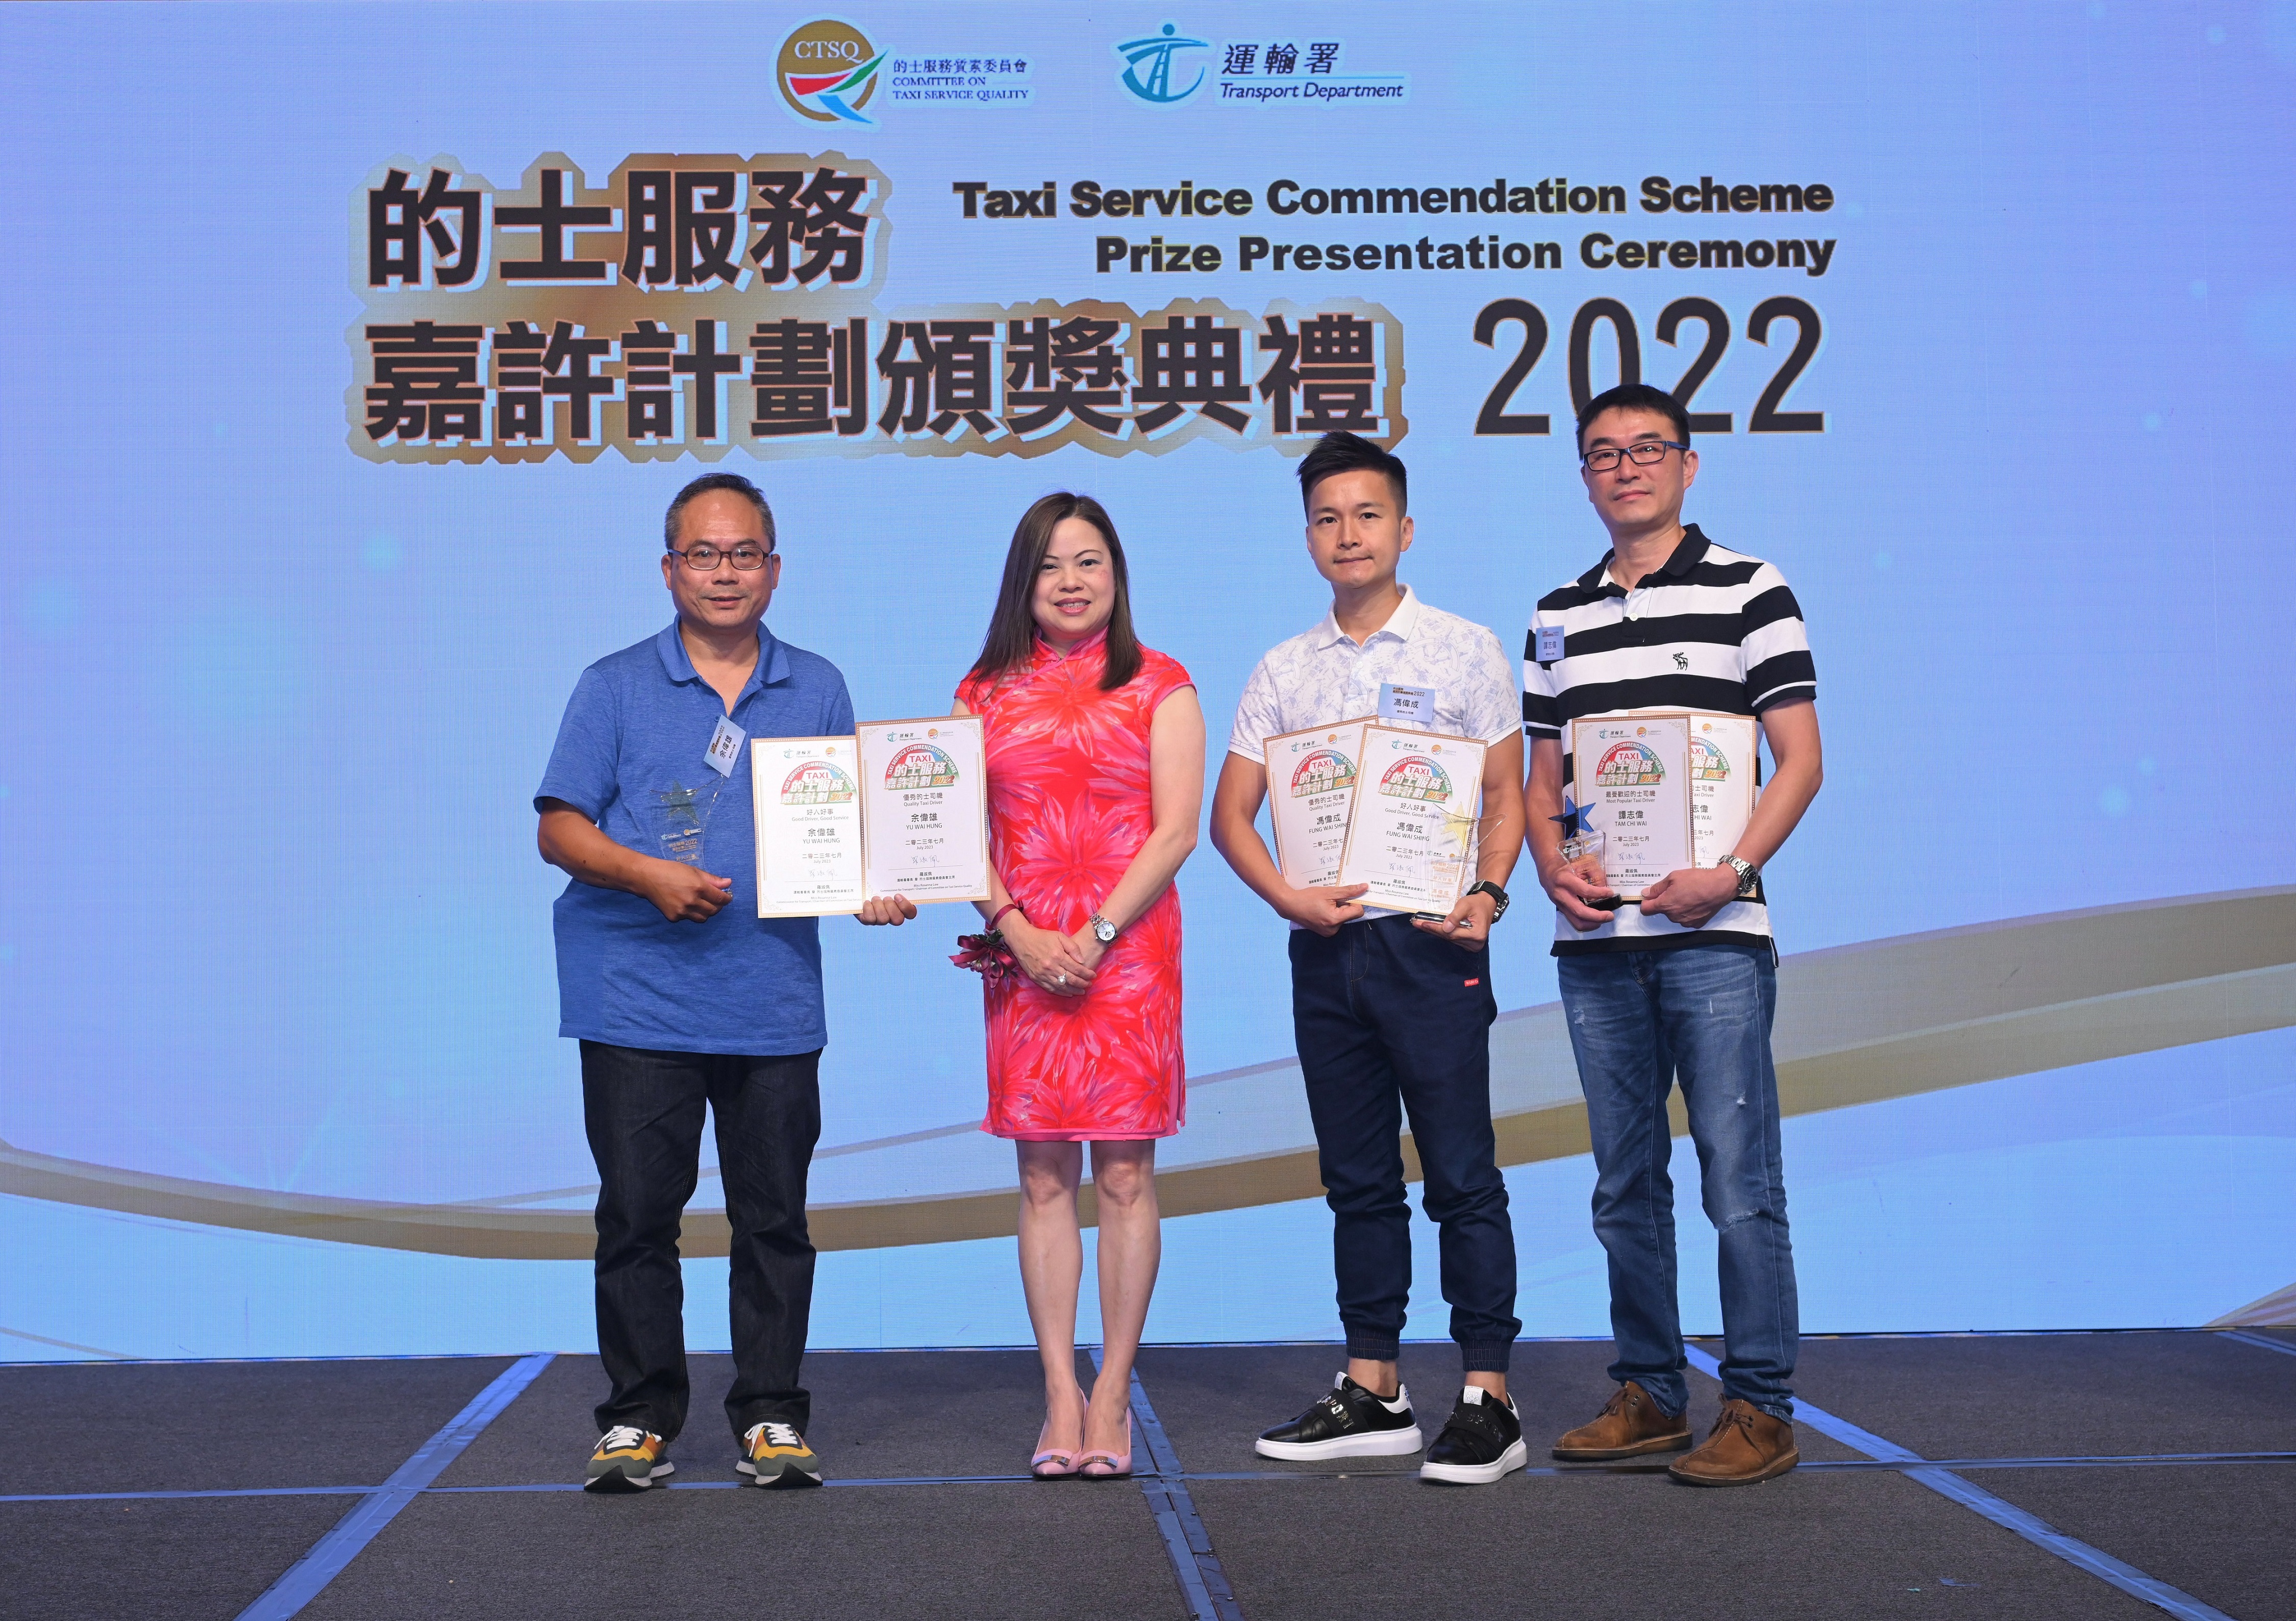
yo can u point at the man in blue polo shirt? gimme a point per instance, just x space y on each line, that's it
683 997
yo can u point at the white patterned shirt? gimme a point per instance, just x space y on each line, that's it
1326 676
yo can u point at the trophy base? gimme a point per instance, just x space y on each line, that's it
1611 902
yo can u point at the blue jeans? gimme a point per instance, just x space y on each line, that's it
1391 1022
1638 1020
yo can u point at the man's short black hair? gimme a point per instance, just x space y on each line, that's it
703 486
1344 453
1636 397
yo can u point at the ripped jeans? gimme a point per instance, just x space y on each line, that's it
1639 1020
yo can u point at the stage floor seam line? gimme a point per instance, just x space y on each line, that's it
326 1558
2115 1572
1203 1583
1852 1465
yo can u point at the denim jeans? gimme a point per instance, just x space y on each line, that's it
1640 1020
1391 1020
644 1111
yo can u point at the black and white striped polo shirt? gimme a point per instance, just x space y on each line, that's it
1711 630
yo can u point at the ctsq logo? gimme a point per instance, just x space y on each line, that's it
1148 70
828 72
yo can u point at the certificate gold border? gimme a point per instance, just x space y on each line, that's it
1753 723
758 829
980 787
1347 851
1268 743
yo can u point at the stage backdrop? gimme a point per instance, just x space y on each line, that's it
352 354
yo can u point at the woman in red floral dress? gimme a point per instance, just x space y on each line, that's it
1095 780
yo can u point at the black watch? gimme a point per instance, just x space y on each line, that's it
1486 887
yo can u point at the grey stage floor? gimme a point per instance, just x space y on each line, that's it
2139 1473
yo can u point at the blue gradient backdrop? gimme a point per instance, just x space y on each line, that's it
270 715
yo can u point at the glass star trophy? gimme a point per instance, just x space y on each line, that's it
679 818
1582 848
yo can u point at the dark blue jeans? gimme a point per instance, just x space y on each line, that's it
644 1111
1639 1020
1391 1020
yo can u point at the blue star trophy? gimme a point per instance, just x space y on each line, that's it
1582 848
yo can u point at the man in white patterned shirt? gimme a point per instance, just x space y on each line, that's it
1392 1013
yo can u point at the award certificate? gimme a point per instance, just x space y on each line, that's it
808 808
1630 776
1412 835
1721 783
1311 787
925 808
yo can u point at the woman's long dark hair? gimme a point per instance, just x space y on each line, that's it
1010 641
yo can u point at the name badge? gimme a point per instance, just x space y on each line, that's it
1550 644
1415 704
724 746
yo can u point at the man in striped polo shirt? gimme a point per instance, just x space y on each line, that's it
1684 985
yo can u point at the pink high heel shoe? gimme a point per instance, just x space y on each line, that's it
1101 1464
1055 1464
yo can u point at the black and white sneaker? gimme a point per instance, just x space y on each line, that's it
1348 1422
1482 1445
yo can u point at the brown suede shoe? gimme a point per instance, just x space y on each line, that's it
1746 1445
1629 1425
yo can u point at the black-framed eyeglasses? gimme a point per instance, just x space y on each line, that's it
1643 453
702 554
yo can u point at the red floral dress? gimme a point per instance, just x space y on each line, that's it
1067 810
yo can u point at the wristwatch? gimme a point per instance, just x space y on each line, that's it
1103 930
1749 874
1486 887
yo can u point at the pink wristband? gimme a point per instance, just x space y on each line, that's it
1001 911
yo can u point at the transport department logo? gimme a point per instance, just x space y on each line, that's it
816 782
921 765
1707 763
1416 777
1149 74
1628 766
828 72
1322 772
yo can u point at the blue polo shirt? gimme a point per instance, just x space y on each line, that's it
630 757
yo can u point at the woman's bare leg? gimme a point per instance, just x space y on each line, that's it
1131 1248
1052 1268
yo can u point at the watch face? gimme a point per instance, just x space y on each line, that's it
1103 932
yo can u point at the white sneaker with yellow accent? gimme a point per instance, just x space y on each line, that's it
777 1455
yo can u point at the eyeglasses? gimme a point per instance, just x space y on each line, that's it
703 555
1645 453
